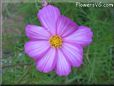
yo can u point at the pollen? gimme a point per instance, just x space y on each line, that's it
56 41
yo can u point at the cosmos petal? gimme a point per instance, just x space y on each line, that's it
48 16
63 68
36 49
47 62
36 32
65 26
73 53
82 36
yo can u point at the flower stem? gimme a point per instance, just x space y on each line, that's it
44 3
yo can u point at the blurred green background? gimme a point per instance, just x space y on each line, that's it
18 68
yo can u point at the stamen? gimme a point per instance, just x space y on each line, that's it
56 41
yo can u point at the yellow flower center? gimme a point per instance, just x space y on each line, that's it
56 41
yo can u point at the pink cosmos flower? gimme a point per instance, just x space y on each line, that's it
58 43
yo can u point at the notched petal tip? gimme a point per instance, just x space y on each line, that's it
63 67
48 16
35 32
47 62
25 47
88 29
88 34
36 49
63 74
47 7
29 28
73 53
82 36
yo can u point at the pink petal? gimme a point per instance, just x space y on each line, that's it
63 68
48 17
65 26
36 32
36 49
47 62
82 36
73 53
